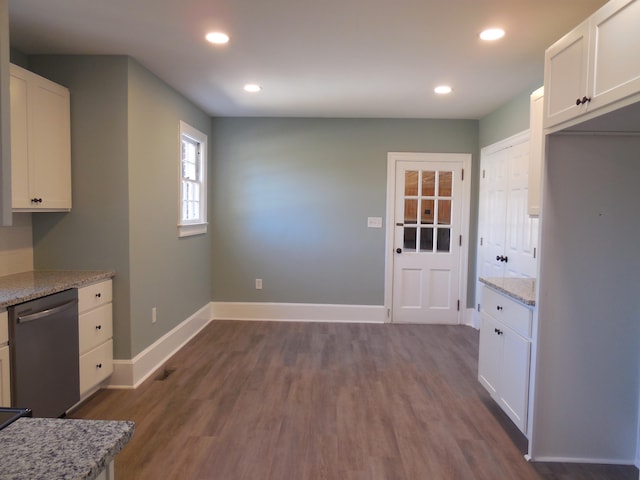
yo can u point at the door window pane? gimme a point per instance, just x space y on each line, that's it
427 212
444 239
411 183
426 239
444 184
409 243
428 184
411 211
444 212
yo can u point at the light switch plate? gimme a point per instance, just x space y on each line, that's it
374 222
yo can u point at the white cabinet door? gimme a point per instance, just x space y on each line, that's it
514 381
5 381
614 71
19 142
565 76
40 143
490 355
536 142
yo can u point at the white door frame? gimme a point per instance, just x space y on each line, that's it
392 159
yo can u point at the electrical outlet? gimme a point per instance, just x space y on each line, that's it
258 284
153 315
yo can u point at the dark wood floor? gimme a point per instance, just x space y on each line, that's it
301 401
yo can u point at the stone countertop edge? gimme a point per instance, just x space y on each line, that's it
521 289
25 286
45 448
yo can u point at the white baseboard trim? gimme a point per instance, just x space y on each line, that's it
608 461
131 373
469 318
298 312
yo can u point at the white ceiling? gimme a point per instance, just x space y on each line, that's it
315 58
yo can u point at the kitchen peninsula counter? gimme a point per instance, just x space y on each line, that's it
22 287
46 448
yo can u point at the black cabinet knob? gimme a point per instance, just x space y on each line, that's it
505 259
585 100
99 365
499 307
398 250
98 327
578 102
98 295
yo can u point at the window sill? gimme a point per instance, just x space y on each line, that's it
192 229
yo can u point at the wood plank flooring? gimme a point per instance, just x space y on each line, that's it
303 401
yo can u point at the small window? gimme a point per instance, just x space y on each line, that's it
193 181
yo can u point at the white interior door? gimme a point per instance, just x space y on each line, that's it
427 240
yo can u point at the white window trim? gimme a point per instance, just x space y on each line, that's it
188 228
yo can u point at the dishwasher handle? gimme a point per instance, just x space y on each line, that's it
45 313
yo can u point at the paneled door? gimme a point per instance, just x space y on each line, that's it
427 241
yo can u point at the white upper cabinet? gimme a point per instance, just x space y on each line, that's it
40 143
596 65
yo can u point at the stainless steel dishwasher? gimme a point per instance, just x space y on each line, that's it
43 338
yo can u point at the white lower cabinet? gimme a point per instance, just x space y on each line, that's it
95 327
505 354
5 369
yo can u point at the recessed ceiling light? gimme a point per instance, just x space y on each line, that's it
442 89
492 34
218 38
252 87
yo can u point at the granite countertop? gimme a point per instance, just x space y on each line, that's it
47 448
520 289
22 287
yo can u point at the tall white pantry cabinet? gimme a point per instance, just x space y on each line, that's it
586 396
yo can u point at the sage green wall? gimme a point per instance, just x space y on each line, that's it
169 273
95 234
509 119
125 154
290 199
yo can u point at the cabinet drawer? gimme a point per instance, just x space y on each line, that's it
95 366
95 327
94 295
508 311
4 328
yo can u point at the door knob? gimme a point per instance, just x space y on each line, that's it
398 250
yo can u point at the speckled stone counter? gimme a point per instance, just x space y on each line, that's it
48 448
22 287
521 289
